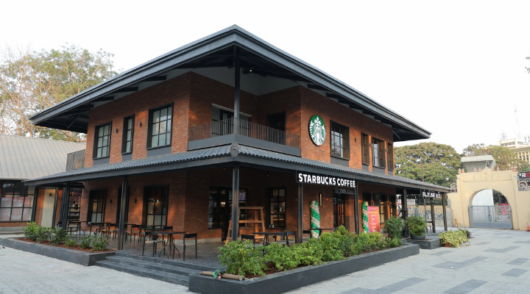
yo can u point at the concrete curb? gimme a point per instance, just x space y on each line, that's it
300 277
70 255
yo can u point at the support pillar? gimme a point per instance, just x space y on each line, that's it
404 206
123 209
444 203
433 216
235 204
65 203
237 87
356 208
300 223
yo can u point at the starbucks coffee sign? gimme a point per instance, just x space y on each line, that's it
317 130
325 180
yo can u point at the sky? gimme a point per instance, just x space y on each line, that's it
455 68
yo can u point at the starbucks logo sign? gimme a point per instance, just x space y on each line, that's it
317 130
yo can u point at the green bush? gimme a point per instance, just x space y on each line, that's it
394 227
309 253
416 225
100 243
454 238
241 258
57 236
42 234
86 242
70 242
283 257
330 244
30 232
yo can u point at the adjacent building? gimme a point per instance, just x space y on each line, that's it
24 158
171 141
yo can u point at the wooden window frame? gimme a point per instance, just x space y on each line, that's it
390 156
381 153
150 126
96 137
345 132
365 148
124 135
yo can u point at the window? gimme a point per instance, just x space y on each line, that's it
16 202
378 153
366 149
390 156
160 127
277 208
155 206
75 203
340 141
96 206
102 141
128 132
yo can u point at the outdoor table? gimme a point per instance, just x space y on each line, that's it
267 234
170 240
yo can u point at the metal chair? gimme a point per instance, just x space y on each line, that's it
194 235
153 240
287 234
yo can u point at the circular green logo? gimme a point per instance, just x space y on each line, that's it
317 130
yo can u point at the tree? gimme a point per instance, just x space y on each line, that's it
33 81
440 163
505 158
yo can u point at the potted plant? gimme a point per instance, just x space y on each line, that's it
417 226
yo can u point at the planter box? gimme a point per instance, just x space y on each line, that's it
432 242
75 256
293 279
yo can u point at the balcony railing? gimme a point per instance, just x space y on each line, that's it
246 128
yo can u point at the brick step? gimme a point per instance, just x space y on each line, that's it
146 272
168 268
172 262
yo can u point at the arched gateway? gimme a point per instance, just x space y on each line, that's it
490 209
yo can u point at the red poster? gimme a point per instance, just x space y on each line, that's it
373 219
505 208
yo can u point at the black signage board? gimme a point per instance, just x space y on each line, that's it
429 194
524 175
324 180
344 191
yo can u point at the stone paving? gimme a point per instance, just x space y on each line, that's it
495 262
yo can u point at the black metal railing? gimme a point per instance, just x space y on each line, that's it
246 128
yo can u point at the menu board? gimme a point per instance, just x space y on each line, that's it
373 219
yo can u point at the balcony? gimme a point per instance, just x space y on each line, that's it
222 132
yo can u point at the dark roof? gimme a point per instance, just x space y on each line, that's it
245 153
24 158
217 50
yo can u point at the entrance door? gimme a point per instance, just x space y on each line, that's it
497 217
220 208
276 122
48 209
339 211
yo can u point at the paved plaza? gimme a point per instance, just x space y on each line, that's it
495 262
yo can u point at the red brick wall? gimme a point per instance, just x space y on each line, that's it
174 91
314 103
287 101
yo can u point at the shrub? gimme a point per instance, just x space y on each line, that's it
57 236
86 242
416 225
330 244
100 243
70 242
30 232
241 258
394 227
308 253
454 238
284 258
42 234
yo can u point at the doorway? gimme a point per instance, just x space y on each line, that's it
275 123
339 211
490 209
220 208
48 209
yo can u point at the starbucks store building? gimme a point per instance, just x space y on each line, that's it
171 147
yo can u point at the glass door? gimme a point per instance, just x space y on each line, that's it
339 211
155 207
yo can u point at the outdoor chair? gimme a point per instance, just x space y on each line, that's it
153 239
194 235
289 233
133 231
249 237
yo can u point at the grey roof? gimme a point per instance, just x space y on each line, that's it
212 44
24 158
224 151
477 158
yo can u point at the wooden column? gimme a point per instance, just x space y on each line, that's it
444 203
235 204
123 209
300 223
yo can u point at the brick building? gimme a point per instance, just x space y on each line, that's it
174 138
